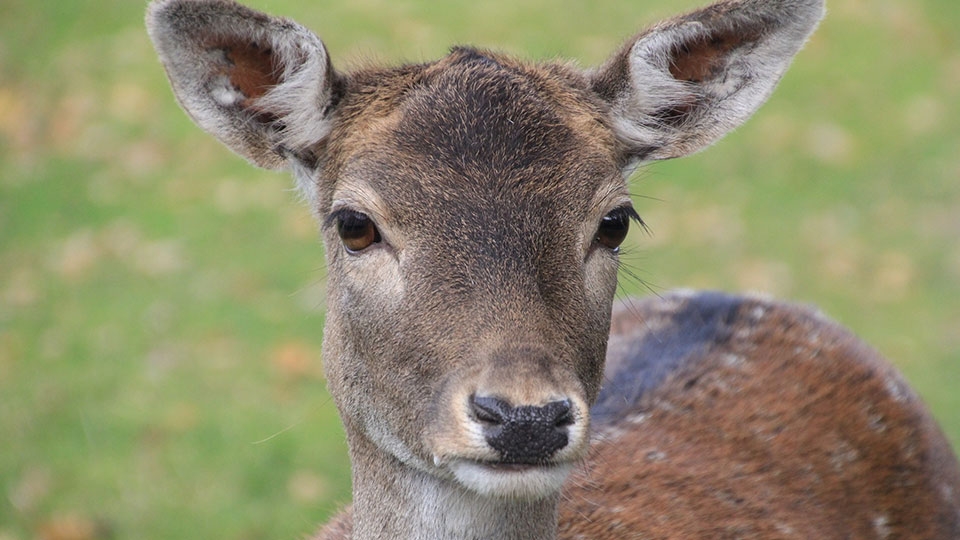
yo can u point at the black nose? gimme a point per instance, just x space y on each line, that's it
523 435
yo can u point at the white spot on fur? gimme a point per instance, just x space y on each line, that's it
842 455
733 360
684 294
226 95
946 491
656 455
875 422
784 528
881 525
896 390
743 332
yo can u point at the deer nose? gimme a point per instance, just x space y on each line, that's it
527 434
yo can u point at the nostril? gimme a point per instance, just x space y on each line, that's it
489 410
561 412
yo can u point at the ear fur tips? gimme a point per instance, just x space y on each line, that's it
258 83
683 84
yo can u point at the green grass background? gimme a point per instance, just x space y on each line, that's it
161 302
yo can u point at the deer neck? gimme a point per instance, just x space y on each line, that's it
392 500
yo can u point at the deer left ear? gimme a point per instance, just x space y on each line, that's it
262 85
682 85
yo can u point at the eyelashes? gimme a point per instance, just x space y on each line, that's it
614 226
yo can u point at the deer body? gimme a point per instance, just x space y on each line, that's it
472 210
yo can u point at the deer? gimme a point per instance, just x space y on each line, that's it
472 211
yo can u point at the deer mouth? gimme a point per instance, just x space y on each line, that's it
511 467
511 480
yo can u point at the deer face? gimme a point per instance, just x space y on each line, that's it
471 230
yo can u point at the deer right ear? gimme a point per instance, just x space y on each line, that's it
262 85
682 85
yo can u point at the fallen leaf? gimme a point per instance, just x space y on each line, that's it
295 359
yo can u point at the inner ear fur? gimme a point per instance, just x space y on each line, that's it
703 59
683 84
262 85
252 68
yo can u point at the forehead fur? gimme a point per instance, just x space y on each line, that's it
478 117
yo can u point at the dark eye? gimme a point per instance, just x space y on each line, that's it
356 230
614 227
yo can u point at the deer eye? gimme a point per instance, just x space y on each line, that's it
357 231
614 227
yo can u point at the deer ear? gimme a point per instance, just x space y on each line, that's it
685 83
263 86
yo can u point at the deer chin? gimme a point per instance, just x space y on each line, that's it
511 480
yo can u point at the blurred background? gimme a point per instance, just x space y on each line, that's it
161 302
